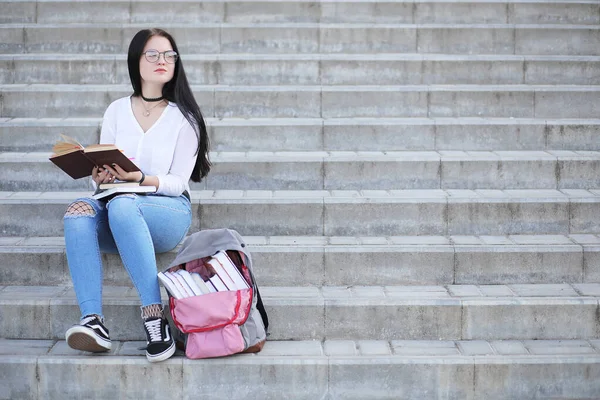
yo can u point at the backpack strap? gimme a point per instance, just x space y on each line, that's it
261 309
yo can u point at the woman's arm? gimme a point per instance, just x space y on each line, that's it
175 181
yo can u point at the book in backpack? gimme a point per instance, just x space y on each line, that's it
213 296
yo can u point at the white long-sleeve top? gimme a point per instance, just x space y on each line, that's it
166 150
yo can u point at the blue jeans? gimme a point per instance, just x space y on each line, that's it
135 227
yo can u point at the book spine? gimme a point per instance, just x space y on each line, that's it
169 285
211 286
200 282
222 274
190 282
181 285
218 283
232 270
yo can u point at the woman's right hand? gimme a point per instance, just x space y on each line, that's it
101 175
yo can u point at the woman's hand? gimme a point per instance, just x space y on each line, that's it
119 173
102 175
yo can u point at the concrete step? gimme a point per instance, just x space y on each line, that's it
455 312
194 38
310 69
333 261
314 101
416 12
326 213
339 134
347 170
420 369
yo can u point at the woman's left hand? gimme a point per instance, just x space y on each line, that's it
120 174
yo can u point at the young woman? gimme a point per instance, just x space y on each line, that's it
161 128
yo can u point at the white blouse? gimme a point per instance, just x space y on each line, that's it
166 150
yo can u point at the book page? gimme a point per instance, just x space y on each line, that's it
65 146
100 147
103 186
70 140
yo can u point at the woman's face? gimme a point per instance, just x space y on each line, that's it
161 71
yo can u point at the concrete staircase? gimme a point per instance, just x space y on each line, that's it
418 182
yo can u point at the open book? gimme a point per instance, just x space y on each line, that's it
78 161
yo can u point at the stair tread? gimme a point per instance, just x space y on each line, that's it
307 57
354 196
344 243
452 312
345 156
560 351
73 121
522 294
68 87
291 24
564 2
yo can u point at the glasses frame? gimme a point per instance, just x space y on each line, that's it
164 54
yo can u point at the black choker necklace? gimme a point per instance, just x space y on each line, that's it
152 99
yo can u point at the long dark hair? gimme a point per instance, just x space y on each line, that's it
176 90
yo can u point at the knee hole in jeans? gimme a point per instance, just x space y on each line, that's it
80 208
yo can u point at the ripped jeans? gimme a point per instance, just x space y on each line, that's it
135 227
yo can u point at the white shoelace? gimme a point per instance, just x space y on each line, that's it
86 320
153 328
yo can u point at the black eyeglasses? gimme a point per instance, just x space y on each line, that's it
152 56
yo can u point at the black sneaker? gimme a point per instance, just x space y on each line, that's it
89 335
160 341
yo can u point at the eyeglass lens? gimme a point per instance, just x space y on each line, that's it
153 56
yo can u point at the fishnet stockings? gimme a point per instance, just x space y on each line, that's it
152 311
80 208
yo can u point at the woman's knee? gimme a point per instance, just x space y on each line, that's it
123 205
80 208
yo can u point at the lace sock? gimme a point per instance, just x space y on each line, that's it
152 311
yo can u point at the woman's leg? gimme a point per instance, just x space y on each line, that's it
143 226
86 233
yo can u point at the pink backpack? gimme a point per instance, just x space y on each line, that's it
225 322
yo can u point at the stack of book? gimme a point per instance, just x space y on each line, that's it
181 284
106 190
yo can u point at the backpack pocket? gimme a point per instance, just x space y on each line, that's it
212 322
216 343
